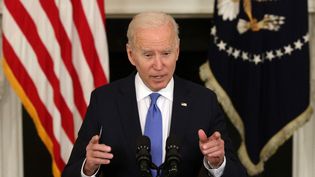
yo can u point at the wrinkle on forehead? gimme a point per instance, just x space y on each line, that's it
161 37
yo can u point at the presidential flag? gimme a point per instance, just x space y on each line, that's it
54 54
259 68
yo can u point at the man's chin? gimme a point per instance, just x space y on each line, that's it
159 86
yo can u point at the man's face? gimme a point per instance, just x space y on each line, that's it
154 54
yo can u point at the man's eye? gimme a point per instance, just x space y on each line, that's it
147 55
166 53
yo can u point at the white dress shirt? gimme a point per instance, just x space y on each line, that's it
165 103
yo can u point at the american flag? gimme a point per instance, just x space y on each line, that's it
54 54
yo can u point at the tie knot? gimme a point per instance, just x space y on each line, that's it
154 97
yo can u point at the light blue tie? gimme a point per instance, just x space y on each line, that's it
153 129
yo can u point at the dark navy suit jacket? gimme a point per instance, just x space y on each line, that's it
114 107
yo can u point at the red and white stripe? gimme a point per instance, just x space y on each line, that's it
55 53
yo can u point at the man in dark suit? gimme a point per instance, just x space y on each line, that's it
116 116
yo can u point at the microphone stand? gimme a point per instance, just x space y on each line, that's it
158 169
160 172
163 170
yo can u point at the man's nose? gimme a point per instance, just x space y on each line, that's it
158 64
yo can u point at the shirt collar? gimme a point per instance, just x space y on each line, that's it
143 91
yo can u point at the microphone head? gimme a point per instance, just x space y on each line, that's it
172 148
143 142
143 156
171 143
173 158
143 148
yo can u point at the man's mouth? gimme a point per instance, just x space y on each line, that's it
158 77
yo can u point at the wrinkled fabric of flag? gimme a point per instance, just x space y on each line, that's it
54 54
259 68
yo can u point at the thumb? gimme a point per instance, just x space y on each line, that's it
202 136
95 139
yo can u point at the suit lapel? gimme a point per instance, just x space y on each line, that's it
180 112
129 111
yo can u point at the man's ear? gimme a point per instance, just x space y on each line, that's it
178 49
130 54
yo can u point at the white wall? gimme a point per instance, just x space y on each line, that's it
304 139
181 7
169 6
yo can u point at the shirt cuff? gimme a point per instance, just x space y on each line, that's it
83 175
216 172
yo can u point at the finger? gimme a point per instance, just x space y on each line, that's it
211 150
202 136
102 155
98 161
94 139
97 157
215 136
101 161
215 154
99 147
212 145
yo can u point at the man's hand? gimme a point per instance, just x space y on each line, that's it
96 154
212 148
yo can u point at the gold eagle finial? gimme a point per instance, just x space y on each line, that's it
229 9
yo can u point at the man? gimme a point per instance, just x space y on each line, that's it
117 113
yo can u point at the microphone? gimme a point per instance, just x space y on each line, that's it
143 156
173 158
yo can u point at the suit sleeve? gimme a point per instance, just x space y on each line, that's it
233 166
89 128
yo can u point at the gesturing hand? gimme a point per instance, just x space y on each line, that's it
96 154
212 148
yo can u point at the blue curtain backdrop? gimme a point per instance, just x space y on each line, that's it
259 68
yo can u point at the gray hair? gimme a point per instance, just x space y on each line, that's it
150 20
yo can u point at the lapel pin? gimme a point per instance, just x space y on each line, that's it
183 104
